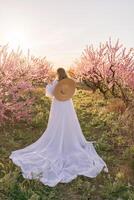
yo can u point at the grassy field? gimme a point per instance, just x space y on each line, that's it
98 122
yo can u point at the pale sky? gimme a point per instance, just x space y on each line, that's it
61 29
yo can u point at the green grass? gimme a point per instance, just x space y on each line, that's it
97 124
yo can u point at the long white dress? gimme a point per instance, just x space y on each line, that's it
62 152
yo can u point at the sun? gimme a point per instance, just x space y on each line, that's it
17 39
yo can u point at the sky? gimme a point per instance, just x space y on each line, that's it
60 29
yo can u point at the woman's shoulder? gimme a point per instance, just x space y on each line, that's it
55 80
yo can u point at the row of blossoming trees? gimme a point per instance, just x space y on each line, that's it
109 68
19 75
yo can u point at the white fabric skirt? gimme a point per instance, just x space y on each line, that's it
62 152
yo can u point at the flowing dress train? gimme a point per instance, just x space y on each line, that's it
62 152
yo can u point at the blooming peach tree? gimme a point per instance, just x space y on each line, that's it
109 68
19 75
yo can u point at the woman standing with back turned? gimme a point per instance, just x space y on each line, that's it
62 152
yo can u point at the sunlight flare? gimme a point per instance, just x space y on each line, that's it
16 39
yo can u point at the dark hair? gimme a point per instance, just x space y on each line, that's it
61 73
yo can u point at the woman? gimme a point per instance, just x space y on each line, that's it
62 152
